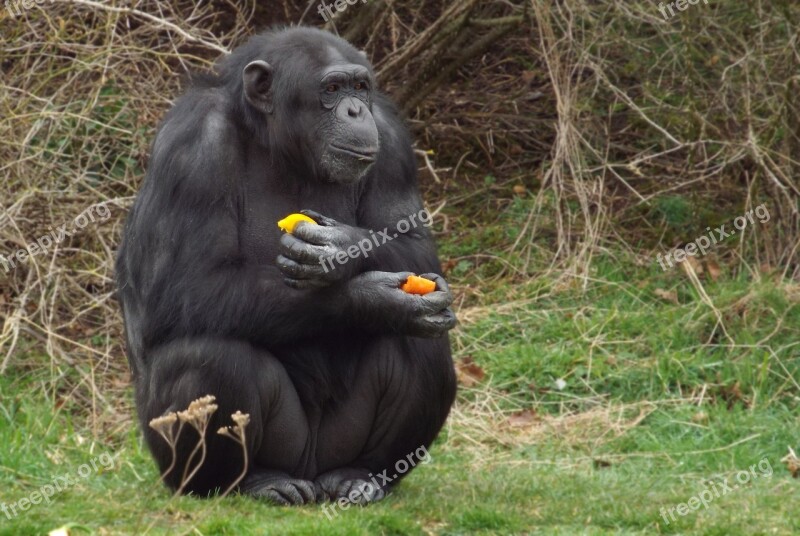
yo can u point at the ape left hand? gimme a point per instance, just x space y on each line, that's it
308 255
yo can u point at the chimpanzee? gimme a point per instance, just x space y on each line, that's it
343 373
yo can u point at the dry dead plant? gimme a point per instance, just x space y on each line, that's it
198 416
237 433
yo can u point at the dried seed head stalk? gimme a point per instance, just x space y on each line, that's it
237 433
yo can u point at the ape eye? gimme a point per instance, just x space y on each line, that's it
361 86
332 88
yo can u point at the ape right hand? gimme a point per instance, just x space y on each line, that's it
315 256
379 302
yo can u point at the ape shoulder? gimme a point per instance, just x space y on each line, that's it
198 148
391 126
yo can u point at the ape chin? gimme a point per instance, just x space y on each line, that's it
343 166
342 373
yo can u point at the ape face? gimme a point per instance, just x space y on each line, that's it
342 141
349 136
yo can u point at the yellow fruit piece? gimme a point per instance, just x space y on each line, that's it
418 285
290 222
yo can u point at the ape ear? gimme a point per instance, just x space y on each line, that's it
257 77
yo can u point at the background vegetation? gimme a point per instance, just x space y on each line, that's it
562 146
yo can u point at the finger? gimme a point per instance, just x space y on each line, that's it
301 251
274 497
375 494
349 486
319 218
441 284
434 302
399 277
434 325
439 322
307 490
445 320
361 498
320 495
343 489
449 319
295 270
290 493
314 234
388 279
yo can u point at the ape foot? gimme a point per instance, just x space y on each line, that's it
278 488
354 485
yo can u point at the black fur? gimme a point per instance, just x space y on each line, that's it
335 372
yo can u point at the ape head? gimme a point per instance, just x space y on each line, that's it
307 95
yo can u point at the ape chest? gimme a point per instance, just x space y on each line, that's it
259 234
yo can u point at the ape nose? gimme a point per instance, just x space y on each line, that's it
355 109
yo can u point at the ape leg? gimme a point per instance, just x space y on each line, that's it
403 393
241 378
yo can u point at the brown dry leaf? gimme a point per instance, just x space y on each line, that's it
527 76
792 463
522 418
448 265
668 295
468 372
519 189
713 60
714 271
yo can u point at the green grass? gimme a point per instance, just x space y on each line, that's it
651 412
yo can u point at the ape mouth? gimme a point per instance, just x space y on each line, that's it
367 155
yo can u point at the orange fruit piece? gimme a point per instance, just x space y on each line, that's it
418 285
290 222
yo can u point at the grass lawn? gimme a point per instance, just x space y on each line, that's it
585 411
